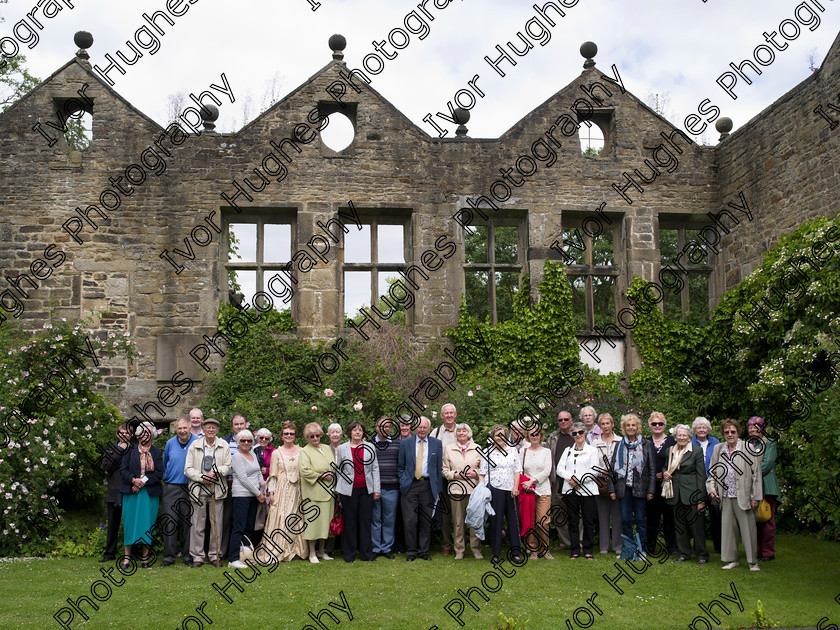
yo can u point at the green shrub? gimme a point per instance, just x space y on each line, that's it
52 461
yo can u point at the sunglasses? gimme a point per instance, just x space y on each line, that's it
246 440
657 424
564 419
291 433
730 432
574 433
263 437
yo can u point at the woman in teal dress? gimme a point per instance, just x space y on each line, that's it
142 477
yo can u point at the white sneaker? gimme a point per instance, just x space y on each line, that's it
731 565
313 560
238 564
755 567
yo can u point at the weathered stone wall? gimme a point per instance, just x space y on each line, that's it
785 160
116 276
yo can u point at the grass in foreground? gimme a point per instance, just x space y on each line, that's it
797 590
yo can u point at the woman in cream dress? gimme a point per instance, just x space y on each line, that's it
284 494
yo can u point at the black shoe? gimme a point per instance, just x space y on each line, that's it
349 561
424 556
410 558
167 563
388 555
188 560
495 560
702 561
680 559
766 558
105 559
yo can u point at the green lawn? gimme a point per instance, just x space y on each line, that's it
797 590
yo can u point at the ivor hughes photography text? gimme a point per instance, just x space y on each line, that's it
440 314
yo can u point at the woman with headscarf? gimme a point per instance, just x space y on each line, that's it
142 486
761 444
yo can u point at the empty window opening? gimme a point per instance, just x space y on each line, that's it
339 132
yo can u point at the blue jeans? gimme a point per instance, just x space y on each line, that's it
633 508
384 519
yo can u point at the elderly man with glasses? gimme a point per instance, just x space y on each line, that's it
559 441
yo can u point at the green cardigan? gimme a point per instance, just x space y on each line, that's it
768 462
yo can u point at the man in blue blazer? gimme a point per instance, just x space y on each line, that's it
421 482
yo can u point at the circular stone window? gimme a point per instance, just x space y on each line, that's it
339 132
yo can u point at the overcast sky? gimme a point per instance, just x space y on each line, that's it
673 47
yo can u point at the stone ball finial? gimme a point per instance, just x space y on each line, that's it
462 117
588 50
337 44
209 114
83 40
724 126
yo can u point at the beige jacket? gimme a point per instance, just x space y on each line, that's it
747 474
455 463
192 469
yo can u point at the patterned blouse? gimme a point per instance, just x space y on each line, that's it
505 464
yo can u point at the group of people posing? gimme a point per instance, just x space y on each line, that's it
219 495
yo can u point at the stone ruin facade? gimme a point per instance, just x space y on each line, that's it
70 248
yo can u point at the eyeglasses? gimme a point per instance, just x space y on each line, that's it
246 440
285 433
730 432
657 424
574 433
263 437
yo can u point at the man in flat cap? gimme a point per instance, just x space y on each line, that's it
207 467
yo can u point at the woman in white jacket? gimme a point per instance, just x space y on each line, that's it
577 469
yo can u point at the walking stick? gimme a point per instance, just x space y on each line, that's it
215 528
